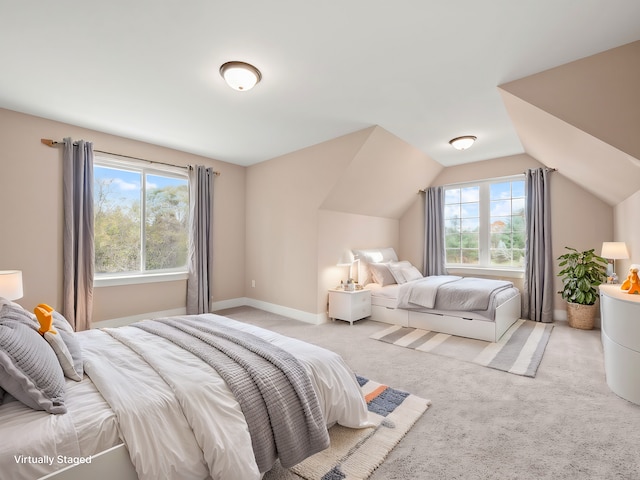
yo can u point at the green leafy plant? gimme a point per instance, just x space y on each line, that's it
582 273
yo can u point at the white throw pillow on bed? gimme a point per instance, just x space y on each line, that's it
369 256
381 274
404 272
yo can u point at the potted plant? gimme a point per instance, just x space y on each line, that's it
582 273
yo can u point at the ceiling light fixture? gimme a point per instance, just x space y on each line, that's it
240 76
462 143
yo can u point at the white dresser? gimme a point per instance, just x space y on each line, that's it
620 315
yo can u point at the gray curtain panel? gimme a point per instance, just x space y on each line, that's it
434 246
78 248
200 239
537 300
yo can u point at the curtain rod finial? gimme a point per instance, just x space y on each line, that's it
47 141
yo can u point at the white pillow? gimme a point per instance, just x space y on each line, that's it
63 354
381 274
369 256
404 272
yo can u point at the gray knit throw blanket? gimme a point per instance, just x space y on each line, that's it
274 391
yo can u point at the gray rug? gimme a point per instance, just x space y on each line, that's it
519 351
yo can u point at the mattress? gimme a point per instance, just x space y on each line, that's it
36 443
387 297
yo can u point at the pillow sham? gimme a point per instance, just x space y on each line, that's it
29 368
369 256
404 271
73 352
381 274
54 338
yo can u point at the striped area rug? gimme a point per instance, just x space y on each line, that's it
519 351
354 453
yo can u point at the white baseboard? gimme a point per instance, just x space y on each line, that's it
315 319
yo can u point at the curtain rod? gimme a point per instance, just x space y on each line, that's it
52 143
548 169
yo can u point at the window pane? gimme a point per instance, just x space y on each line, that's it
167 213
469 256
470 210
470 194
500 190
500 208
517 206
453 241
470 240
470 224
117 220
517 189
452 211
452 225
501 257
518 223
452 195
500 224
453 255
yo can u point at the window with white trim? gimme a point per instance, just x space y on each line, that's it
485 224
141 217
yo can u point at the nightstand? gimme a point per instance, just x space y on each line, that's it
349 306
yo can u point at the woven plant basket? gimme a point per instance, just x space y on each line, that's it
581 316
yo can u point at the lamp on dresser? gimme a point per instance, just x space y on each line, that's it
11 284
614 251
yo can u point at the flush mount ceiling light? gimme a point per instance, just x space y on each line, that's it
462 143
240 75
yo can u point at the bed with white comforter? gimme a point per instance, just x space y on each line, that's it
177 416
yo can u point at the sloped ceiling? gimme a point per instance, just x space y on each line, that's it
583 118
383 177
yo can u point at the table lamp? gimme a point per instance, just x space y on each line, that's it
11 284
614 251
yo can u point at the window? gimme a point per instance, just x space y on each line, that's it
141 219
485 225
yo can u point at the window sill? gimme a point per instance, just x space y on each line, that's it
116 280
488 272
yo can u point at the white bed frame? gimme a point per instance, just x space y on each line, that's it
505 316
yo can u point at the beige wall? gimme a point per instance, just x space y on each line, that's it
578 220
338 232
272 224
305 208
627 229
31 211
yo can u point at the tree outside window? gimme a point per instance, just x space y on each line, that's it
141 219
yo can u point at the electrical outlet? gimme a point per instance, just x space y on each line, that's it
253 284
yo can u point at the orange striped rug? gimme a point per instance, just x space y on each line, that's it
355 453
519 351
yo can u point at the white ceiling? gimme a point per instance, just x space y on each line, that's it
424 70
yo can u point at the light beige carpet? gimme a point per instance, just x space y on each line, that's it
356 453
565 424
519 351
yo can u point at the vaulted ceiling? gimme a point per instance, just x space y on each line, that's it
583 118
423 70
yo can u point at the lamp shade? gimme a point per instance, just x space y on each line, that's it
614 250
240 76
11 284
